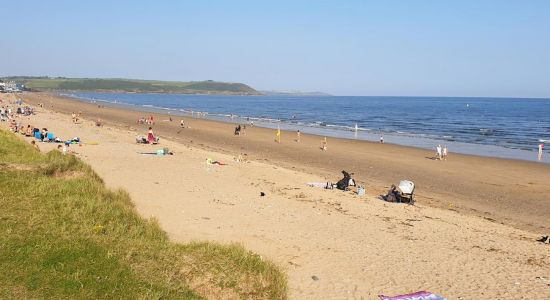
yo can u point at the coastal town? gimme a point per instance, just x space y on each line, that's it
11 87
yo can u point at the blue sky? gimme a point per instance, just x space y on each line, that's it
438 48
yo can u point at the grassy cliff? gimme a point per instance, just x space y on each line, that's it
64 235
133 85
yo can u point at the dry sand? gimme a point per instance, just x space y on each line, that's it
357 247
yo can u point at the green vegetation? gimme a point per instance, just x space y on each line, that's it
133 85
63 234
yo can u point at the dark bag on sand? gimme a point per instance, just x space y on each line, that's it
391 197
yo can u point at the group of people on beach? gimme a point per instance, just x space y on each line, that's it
441 152
240 130
76 116
10 111
149 121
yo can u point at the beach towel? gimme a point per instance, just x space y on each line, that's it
317 184
324 185
209 161
422 295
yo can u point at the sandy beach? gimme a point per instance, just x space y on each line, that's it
471 234
511 192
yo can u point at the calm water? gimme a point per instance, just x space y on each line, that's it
500 127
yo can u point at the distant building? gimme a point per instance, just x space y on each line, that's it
12 87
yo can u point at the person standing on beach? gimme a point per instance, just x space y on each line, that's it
151 136
324 144
541 147
298 136
381 139
438 152
444 152
278 135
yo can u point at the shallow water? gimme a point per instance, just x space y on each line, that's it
499 127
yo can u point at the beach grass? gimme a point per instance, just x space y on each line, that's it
63 234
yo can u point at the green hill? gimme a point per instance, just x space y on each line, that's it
133 85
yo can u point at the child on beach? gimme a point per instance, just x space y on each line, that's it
438 152
444 152
182 124
28 132
324 147
278 135
33 143
298 136
541 147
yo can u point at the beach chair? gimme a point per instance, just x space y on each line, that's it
50 136
406 191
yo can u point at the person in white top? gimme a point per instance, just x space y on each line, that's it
438 152
541 147
445 152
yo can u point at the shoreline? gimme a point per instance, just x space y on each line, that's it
504 190
331 244
336 130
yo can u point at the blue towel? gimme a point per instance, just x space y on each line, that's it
37 135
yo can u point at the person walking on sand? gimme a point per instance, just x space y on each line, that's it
438 152
324 144
298 136
541 147
278 135
444 152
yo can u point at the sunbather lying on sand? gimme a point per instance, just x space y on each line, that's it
209 161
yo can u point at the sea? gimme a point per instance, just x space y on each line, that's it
494 127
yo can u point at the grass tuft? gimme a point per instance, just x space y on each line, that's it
63 234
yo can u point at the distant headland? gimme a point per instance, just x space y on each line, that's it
209 87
